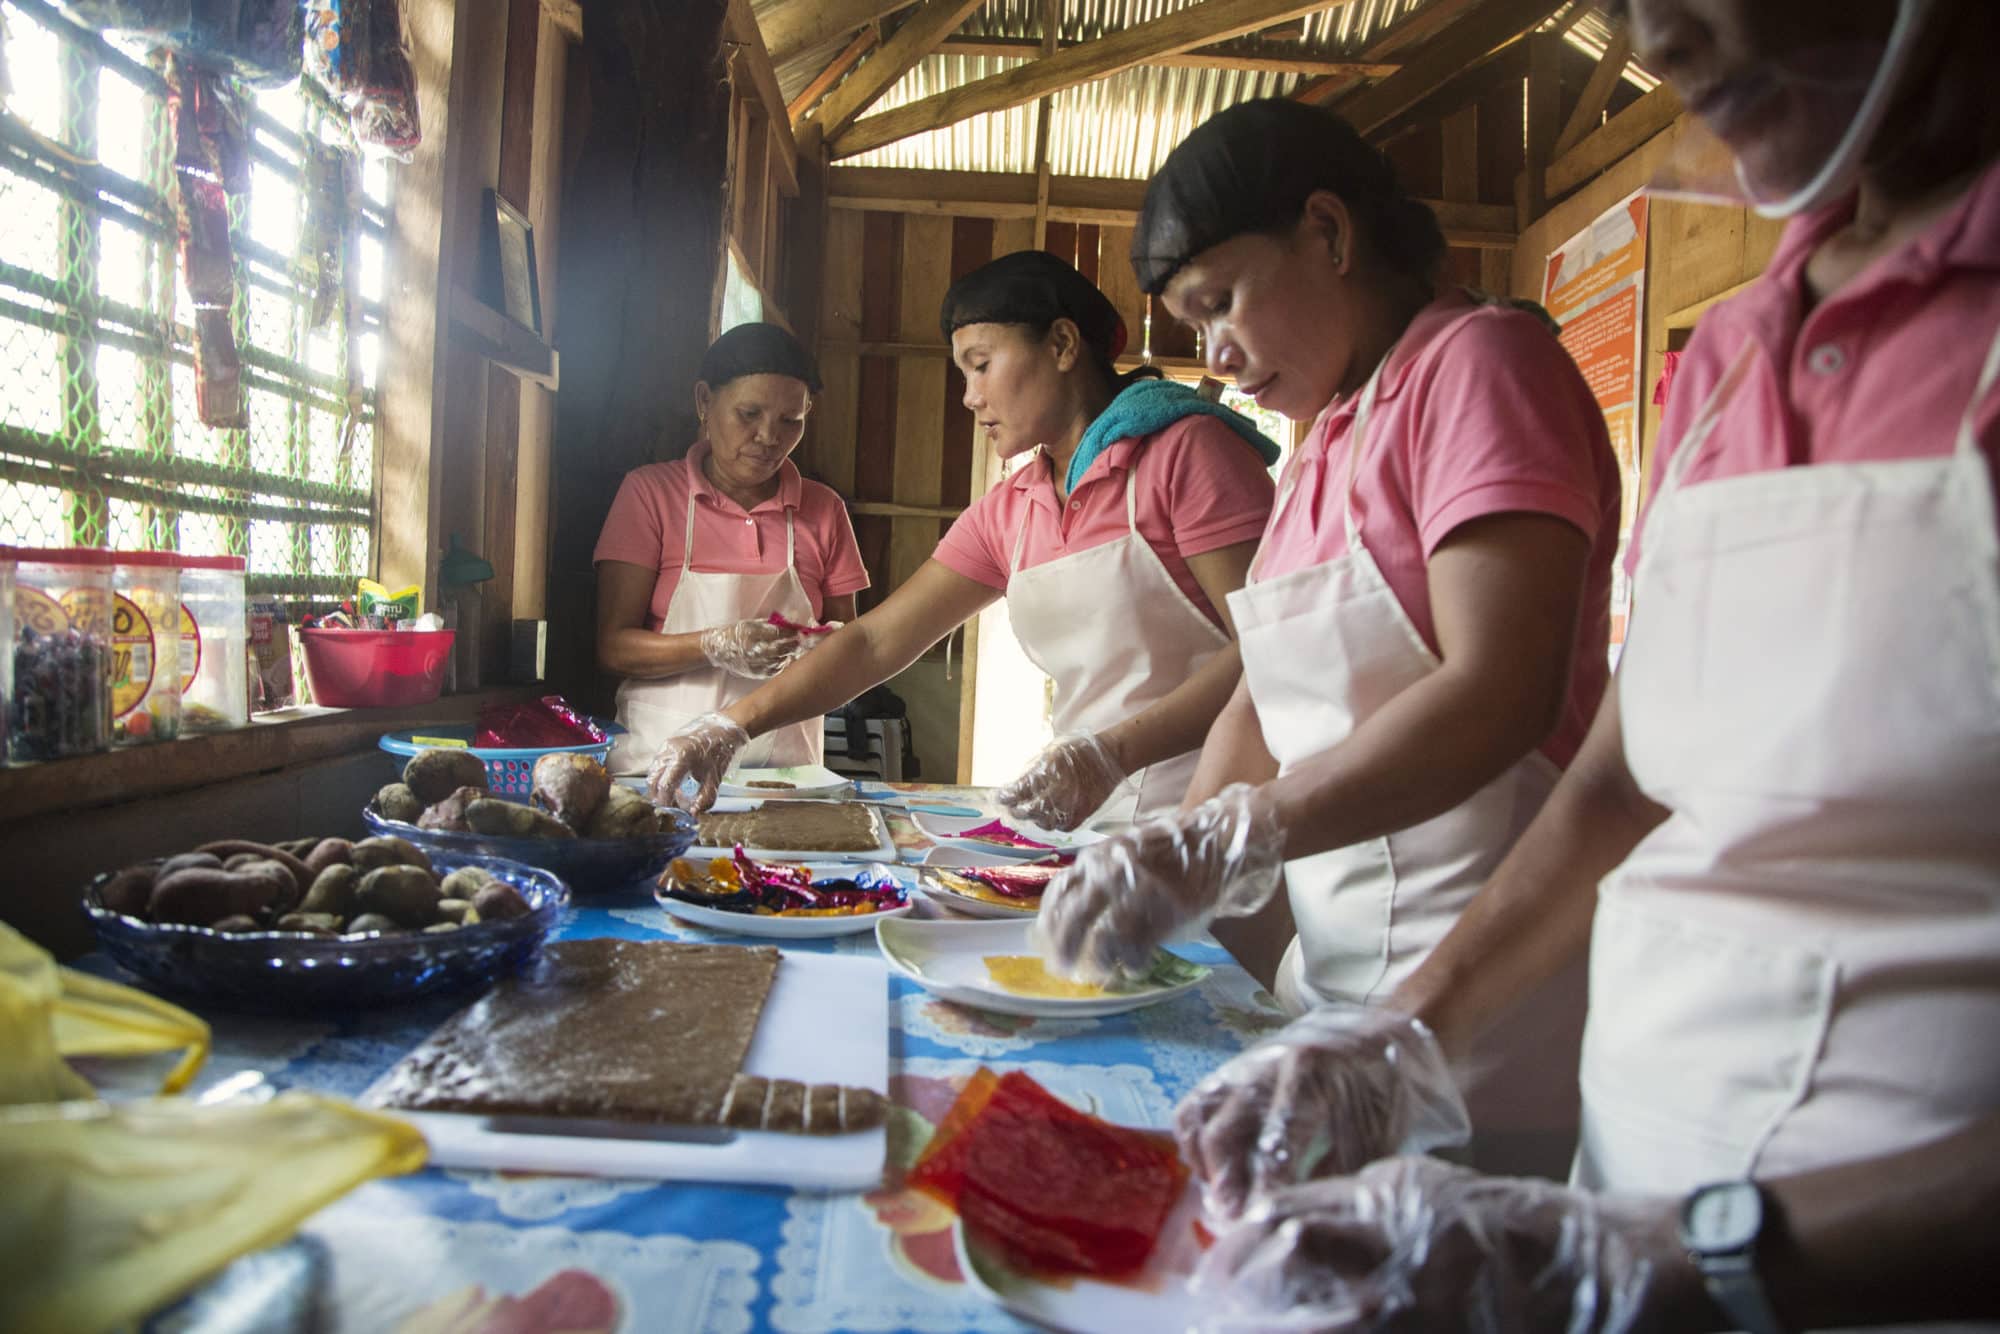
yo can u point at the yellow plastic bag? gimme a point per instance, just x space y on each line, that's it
109 1211
49 1012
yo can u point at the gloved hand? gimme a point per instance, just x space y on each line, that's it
752 648
1329 1093
1413 1244
1102 918
702 751
1072 777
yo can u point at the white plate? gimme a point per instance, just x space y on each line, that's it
883 851
948 959
1156 1299
807 780
946 831
797 928
945 895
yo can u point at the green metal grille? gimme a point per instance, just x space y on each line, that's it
99 441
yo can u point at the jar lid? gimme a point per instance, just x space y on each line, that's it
149 560
233 564
96 556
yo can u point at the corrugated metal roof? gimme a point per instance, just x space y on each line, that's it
1124 125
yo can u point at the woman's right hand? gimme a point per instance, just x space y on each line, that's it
753 648
702 751
1326 1095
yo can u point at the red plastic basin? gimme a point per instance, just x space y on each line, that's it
375 669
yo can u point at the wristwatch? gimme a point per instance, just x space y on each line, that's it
1721 1224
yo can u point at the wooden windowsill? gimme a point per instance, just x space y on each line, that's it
272 741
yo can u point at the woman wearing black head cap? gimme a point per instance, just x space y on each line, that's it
1116 547
697 555
1424 633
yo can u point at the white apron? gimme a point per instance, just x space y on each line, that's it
1324 648
1117 635
655 710
1801 965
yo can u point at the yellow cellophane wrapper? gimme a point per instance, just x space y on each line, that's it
110 1211
48 1012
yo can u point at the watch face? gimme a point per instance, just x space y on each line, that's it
1723 1217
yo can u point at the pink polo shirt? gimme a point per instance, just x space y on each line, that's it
647 525
1199 487
1882 369
1479 411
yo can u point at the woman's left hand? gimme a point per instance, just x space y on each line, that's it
1102 919
1414 1244
1072 777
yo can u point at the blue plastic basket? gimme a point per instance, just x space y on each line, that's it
509 773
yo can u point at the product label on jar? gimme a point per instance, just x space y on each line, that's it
39 612
190 649
131 656
89 610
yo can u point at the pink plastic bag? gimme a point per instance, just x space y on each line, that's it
548 721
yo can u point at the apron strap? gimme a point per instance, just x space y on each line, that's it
687 539
791 547
1968 426
1694 443
1357 443
1132 498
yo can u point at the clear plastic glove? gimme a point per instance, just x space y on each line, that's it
1072 777
1413 1244
1324 1096
702 751
753 648
1102 919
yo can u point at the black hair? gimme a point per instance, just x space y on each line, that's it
1033 288
1251 168
757 349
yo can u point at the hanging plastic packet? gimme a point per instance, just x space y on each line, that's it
210 164
270 657
382 610
355 50
256 41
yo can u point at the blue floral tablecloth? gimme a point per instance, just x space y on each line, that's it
463 1251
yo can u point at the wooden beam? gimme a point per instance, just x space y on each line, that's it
1045 111
1103 200
1481 32
917 38
566 15
1508 65
826 78
794 27
1543 110
1182 30
1249 57
888 510
1413 31
508 345
1622 134
1589 110
741 28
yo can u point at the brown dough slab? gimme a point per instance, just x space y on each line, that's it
621 1030
795 826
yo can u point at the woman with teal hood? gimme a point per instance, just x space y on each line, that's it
1132 515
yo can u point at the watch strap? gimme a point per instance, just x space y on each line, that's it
1734 1286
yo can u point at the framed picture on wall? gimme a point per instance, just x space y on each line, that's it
508 281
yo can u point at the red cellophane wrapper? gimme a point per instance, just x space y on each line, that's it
1053 1190
548 721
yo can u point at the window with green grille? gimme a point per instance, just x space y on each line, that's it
100 444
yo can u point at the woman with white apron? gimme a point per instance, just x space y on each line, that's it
762 553
1423 634
1115 545
1781 839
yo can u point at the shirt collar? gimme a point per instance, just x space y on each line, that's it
790 484
1428 323
1036 478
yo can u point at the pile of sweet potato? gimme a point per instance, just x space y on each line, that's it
573 797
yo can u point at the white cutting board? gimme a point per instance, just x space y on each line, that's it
825 1022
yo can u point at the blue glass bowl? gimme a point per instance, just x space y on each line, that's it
293 973
586 865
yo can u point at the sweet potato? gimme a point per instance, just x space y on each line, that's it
450 813
397 802
388 850
128 891
370 923
329 852
493 816
404 894
332 892
229 847
570 787
624 814
464 882
435 774
499 902
201 895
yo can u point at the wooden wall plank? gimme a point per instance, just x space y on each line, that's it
1086 250
1115 280
1061 241
1169 338
920 390
833 419
971 246
1013 234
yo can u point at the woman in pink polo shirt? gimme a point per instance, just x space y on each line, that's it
1781 840
1116 545
697 555
1424 630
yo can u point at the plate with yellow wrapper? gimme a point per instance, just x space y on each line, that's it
994 966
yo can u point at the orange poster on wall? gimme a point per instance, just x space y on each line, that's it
1595 287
